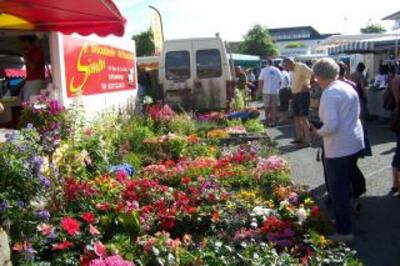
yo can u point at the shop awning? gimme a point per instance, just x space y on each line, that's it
244 60
13 73
85 17
372 45
20 72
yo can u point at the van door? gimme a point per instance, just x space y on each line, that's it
176 74
211 74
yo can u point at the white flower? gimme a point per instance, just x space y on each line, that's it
254 225
284 203
260 211
301 214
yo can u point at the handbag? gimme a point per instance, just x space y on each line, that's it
389 102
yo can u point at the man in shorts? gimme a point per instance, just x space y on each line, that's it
270 80
301 78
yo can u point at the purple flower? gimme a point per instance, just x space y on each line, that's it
21 204
44 215
55 107
29 126
11 137
3 205
30 254
44 181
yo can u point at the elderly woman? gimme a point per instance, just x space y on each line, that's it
343 139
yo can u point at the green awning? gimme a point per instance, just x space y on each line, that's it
245 60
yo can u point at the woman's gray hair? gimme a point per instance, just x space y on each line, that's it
326 68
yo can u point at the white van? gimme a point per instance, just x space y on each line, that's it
196 74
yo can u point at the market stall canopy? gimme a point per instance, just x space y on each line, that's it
244 60
374 44
85 17
13 73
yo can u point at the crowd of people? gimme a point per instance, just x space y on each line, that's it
339 119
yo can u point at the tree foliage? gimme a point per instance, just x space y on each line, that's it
373 28
144 43
258 41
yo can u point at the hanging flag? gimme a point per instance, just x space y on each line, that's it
156 27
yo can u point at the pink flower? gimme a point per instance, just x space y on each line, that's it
93 230
111 261
45 229
100 249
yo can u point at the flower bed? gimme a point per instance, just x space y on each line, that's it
185 203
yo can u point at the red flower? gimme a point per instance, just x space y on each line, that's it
121 176
88 217
70 225
211 197
274 224
61 246
167 223
100 249
103 206
185 180
315 211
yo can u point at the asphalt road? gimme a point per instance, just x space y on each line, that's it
377 226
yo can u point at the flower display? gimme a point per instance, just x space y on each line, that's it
160 113
128 190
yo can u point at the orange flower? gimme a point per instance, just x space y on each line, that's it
215 216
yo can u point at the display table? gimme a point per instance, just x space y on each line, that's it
7 117
375 104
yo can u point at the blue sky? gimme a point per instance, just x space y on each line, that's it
203 18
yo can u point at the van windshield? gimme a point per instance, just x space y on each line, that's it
177 65
208 63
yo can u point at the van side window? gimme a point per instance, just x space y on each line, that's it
208 63
177 65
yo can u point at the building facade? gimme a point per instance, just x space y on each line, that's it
295 41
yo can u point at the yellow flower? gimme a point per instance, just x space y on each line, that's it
323 241
217 134
308 201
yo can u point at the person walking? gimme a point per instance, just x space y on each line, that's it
343 139
270 80
361 84
301 78
284 96
395 88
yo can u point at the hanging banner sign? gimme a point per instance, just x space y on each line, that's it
94 68
156 28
